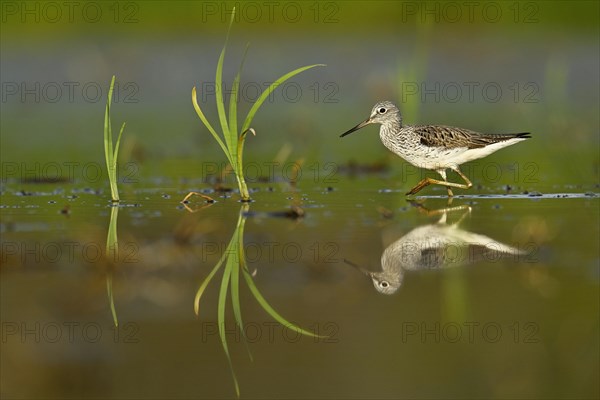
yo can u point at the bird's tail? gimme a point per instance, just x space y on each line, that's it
502 137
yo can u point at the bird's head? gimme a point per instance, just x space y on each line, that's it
386 283
382 113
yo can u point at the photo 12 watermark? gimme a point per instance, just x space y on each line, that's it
272 171
453 12
470 92
290 12
272 332
470 332
288 92
270 252
69 171
49 253
37 92
68 332
70 12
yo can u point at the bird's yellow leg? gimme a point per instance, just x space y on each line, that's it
467 181
429 181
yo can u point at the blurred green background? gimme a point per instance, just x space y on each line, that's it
491 67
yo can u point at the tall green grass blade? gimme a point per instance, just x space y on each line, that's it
269 90
108 144
267 307
233 99
230 139
241 142
116 150
113 171
209 126
221 318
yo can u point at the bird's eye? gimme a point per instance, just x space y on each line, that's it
384 284
382 110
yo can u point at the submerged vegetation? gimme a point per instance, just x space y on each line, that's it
110 152
232 143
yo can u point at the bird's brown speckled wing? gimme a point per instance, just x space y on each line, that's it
452 137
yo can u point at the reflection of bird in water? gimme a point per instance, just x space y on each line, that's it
433 246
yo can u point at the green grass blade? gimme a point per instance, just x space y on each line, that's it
267 307
113 181
269 90
230 140
233 99
241 142
108 143
209 126
221 318
116 149
108 146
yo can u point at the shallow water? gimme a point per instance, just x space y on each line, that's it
492 295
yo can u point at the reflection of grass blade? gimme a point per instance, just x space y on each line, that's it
269 90
206 282
235 282
112 246
111 300
267 307
221 317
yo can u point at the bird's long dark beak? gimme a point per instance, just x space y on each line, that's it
357 127
358 267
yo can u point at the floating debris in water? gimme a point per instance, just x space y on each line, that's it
219 188
533 194
385 212
295 212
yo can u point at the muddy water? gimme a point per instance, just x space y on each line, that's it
487 296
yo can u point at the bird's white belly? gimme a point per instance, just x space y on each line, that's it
440 158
